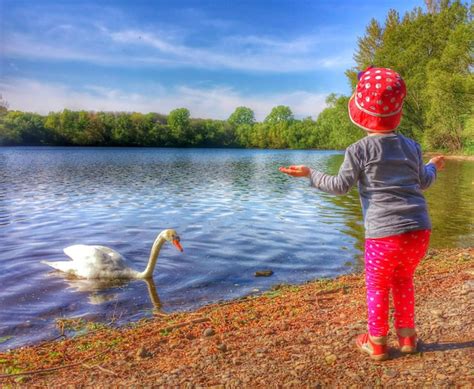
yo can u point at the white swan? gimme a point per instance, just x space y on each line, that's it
94 262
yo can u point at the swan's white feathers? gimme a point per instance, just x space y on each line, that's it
64 266
93 262
95 254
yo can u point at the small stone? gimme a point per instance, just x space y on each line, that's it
236 361
208 332
391 373
222 347
342 316
330 359
143 353
441 377
437 312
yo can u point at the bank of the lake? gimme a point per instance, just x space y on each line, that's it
292 336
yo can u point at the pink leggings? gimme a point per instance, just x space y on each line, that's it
389 264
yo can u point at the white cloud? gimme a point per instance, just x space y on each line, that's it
129 47
248 53
218 102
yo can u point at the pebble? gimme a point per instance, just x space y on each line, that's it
441 377
330 359
391 373
437 312
143 353
208 332
222 347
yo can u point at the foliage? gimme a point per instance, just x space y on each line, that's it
242 116
432 52
279 114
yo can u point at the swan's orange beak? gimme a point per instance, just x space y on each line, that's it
177 245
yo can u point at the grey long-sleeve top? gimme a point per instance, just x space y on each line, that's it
391 175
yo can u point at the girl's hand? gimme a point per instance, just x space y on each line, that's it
438 161
295 171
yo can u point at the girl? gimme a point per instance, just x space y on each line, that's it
390 173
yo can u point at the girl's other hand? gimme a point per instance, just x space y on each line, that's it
438 161
296 171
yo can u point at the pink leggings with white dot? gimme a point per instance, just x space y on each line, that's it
390 263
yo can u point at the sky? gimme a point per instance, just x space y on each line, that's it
154 56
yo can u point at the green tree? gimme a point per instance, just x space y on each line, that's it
281 113
334 128
431 51
242 116
179 122
368 45
450 92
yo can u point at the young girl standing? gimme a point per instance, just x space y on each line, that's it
391 175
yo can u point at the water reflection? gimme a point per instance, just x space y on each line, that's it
104 291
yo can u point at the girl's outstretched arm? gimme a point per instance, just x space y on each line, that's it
428 172
339 184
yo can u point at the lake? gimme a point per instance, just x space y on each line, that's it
234 211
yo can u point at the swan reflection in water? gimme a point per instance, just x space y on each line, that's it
97 287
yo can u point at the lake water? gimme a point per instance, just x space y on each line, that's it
234 211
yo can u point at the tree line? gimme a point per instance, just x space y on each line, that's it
431 49
82 128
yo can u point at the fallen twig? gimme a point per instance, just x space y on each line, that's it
38 371
100 368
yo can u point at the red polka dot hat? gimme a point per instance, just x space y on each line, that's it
377 102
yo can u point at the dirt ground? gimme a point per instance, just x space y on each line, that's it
293 336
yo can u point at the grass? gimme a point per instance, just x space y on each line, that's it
3 339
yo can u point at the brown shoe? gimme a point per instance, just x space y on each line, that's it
407 340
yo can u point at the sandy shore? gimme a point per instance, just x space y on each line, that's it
293 336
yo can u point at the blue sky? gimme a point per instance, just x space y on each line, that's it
154 56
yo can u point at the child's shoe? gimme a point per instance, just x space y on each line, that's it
376 347
407 340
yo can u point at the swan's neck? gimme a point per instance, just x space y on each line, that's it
155 251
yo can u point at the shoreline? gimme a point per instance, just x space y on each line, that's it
292 336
